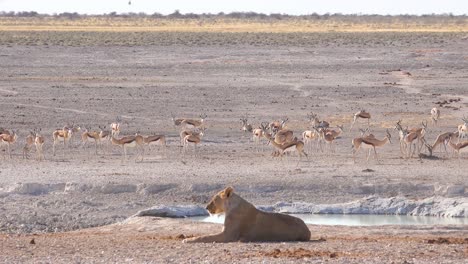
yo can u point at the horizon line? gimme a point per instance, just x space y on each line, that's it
176 11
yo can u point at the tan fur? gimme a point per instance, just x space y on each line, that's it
459 147
8 140
293 145
115 129
192 139
94 135
39 143
361 114
369 142
129 142
28 145
245 223
246 127
62 135
435 115
283 136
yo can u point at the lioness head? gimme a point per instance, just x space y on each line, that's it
216 205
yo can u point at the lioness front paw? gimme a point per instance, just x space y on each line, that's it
189 240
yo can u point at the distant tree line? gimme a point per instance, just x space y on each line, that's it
242 15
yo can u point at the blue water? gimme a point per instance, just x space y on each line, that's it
359 220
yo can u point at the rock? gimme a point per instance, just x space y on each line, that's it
112 188
178 211
154 188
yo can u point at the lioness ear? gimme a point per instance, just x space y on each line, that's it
228 191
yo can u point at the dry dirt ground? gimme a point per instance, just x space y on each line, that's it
159 240
49 79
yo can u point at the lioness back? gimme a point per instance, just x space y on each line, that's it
278 227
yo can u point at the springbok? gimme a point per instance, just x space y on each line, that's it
190 123
441 140
327 137
129 142
309 136
192 139
61 135
335 133
459 147
246 127
275 126
29 142
369 142
361 114
115 127
294 145
435 115
409 141
39 143
8 140
315 121
154 140
283 135
420 132
257 135
463 129
104 138
94 135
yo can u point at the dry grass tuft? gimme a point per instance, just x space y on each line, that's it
219 25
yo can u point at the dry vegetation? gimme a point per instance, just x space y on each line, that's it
219 23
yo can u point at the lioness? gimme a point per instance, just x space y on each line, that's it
243 222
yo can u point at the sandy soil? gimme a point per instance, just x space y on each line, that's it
50 79
159 240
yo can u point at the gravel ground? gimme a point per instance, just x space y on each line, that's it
49 79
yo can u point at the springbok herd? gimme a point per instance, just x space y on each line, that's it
320 137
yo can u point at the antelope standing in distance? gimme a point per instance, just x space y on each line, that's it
363 115
104 138
369 142
61 135
39 143
193 139
8 140
409 141
335 133
435 115
441 140
154 140
315 121
29 142
74 130
190 123
34 138
327 137
459 147
115 127
309 136
294 145
257 135
463 129
246 127
421 132
129 142
277 125
401 136
87 135
185 132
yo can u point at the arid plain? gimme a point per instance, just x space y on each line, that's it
89 77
